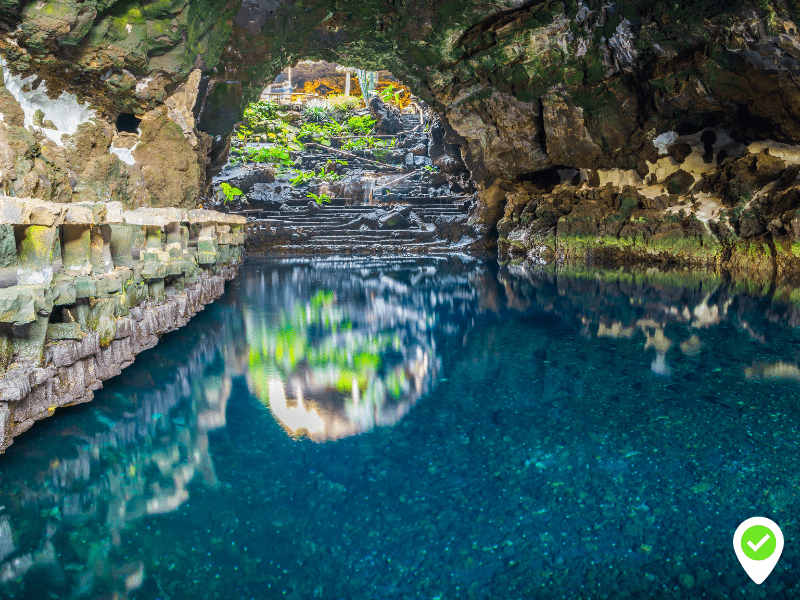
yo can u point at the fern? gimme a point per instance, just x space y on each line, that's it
319 199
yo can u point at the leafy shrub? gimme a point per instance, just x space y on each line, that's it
319 199
343 103
229 191
361 125
311 131
342 106
257 114
367 143
316 113
302 177
274 154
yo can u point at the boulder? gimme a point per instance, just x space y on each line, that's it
388 122
394 220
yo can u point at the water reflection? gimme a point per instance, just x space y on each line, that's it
78 481
335 352
667 315
334 348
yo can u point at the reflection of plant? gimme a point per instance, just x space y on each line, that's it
325 376
319 199
302 337
230 192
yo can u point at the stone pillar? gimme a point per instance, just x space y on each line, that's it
154 250
76 241
100 250
174 240
36 253
121 244
29 340
207 243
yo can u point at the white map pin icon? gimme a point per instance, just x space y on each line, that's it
758 543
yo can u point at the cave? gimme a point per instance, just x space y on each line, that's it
127 123
420 299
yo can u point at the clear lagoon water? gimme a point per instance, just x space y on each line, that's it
423 428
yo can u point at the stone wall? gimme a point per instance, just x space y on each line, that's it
86 287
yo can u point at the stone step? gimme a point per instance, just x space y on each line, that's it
362 249
390 233
355 240
438 210
359 242
275 222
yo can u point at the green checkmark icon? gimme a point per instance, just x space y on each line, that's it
758 542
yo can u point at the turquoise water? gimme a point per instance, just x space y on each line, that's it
398 429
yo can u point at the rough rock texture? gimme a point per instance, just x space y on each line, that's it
74 369
387 119
527 90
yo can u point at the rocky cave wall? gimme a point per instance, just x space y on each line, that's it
658 132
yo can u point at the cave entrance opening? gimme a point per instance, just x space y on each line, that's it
317 81
128 123
332 157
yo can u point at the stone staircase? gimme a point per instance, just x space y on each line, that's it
337 227
410 216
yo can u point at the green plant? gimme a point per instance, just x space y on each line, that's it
342 102
230 192
301 177
367 142
243 132
367 80
386 93
334 128
431 168
316 113
324 175
319 199
258 113
342 105
361 125
381 154
311 130
272 154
